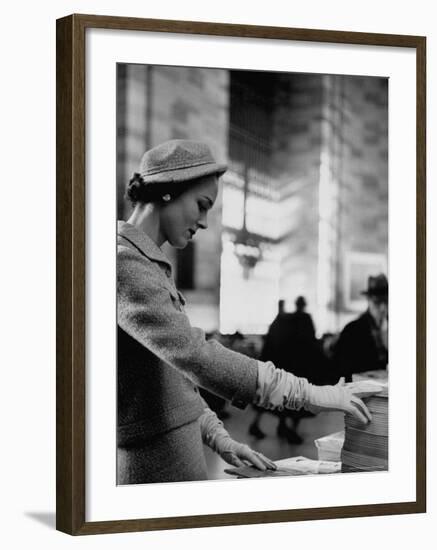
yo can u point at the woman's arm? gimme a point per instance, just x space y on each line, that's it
148 313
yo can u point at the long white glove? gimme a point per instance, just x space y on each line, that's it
280 390
218 439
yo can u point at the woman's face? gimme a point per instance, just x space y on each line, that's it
183 216
378 309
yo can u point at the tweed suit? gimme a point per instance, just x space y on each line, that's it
162 359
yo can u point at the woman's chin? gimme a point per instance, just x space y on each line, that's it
180 242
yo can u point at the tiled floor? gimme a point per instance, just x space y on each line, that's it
272 446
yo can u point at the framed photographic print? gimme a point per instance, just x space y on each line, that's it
235 204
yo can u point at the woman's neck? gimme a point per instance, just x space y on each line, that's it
146 218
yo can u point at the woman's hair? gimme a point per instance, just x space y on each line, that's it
138 191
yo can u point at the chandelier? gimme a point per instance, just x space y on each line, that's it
247 246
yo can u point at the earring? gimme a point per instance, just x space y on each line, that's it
166 197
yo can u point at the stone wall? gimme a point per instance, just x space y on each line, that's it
295 167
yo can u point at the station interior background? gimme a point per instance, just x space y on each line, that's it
301 211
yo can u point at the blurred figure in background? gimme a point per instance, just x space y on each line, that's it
363 343
291 345
290 339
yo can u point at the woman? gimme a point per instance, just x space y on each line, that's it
162 359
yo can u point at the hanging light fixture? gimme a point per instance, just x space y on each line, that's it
247 246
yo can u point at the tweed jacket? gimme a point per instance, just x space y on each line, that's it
161 357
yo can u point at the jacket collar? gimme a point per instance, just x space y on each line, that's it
367 316
141 241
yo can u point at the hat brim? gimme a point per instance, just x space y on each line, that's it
186 174
380 293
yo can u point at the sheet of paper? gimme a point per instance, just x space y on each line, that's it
293 466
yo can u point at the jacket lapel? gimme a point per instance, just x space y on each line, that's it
142 242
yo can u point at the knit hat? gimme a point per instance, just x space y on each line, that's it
179 160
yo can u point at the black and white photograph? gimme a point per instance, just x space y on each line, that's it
218 285
252 274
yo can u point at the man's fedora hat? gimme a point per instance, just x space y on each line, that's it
377 286
179 160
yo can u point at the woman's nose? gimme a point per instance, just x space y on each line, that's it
203 223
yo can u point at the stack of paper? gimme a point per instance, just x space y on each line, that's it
366 446
329 447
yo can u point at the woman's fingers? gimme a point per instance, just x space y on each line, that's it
232 458
270 465
256 459
252 457
360 404
242 454
364 388
359 410
357 414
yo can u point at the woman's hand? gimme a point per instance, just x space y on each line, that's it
341 397
240 454
277 389
218 439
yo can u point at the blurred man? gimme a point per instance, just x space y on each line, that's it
290 344
363 345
